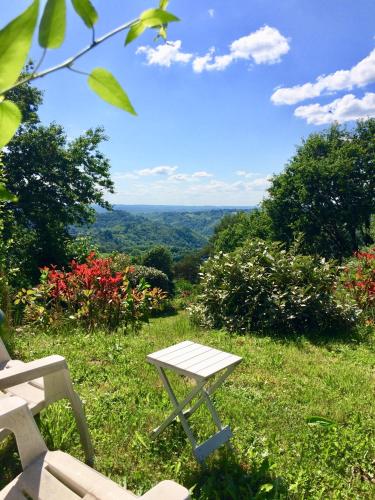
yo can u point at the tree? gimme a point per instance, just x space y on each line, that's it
189 266
15 44
160 258
327 192
234 229
55 181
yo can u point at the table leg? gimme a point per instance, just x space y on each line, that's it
203 450
210 390
178 411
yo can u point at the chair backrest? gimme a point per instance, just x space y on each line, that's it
17 418
4 354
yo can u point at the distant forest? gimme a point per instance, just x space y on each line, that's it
182 230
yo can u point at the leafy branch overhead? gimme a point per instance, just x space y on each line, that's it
15 44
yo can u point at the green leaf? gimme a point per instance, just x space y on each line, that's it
6 195
265 488
140 439
151 18
159 16
163 4
15 43
10 119
135 31
86 12
322 421
105 85
53 24
162 33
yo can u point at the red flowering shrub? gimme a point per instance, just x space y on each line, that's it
92 293
359 278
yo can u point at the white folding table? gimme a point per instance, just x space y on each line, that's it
201 363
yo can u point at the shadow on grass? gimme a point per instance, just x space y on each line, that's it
10 465
225 478
322 338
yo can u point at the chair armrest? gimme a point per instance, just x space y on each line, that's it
30 371
167 490
16 417
11 406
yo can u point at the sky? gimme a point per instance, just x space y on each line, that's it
222 106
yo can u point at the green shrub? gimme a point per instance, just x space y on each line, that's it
185 294
261 286
358 277
120 262
159 257
79 248
92 294
152 276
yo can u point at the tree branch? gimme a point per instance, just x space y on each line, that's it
68 62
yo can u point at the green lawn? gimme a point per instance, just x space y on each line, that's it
266 401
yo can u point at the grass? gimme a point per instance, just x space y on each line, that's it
266 401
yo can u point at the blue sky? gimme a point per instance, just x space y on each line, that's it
223 105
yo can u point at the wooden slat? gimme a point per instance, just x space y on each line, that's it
183 355
155 355
193 359
203 359
208 371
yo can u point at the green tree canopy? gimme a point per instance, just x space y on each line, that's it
234 229
55 180
327 192
160 258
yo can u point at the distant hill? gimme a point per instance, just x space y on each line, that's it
146 209
202 222
133 234
182 229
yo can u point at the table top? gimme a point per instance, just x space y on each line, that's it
193 360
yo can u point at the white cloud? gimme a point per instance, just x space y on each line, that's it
165 54
200 174
264 46
179 177
162 170
245 173
344 109
359 75
211 12
184 189
210 62
218 186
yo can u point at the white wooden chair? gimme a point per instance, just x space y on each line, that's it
40 383
58 476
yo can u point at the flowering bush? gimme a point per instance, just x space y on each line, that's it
151 275
261 286
359 278
92 293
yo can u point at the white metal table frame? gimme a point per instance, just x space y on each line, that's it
226 363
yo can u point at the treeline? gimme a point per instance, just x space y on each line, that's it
280 268
182 232
325 198
56 181
120 231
